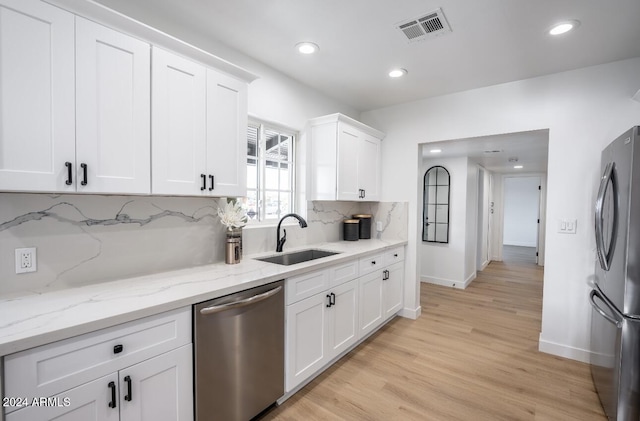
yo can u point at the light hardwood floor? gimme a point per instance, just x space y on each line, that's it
472 355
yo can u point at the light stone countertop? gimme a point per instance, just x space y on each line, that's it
34 319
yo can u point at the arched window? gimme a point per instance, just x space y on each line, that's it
435 211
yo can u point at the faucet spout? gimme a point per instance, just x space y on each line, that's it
280 241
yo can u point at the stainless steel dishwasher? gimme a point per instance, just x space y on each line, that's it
239 353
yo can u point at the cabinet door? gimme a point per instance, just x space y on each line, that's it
371 315
342 323
113 90
393 289
178 125
37 133
306 351
159 389
226 135
347 186
369 167
89 402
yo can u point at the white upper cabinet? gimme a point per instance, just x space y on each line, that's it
369 167
113 141
178 125
37 102
75 104
226 135
77 112
344 159
199 127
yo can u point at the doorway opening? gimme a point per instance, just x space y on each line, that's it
521 219
479 167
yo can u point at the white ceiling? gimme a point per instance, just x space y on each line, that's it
492 41
530 149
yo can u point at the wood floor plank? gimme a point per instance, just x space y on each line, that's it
472 355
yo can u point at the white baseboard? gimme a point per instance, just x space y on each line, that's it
448 282
564 351
410 313
470 278
519 244
484 265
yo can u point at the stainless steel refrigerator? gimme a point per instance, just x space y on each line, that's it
615 297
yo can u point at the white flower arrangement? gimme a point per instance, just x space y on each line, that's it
232 215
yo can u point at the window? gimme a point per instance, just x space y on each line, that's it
270 171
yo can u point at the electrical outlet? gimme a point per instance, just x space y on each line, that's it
26 260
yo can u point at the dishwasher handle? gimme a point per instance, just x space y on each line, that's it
236 304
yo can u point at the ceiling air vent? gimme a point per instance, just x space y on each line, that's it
428 25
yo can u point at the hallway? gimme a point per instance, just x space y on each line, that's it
472 355
518 254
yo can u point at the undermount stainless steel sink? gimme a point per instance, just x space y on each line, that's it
297 257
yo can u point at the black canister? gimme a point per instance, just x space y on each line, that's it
350 229
365 225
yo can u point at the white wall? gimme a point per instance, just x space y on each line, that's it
471 225
584 109
484 190
444 264
521 208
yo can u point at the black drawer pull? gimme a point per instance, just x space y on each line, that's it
128 396
333 299
118 349
329 303
204 182
84 174
212 179
112 386
69 174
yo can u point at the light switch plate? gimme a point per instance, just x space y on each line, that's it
567 226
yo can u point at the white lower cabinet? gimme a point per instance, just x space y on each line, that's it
371 315
160 388
89 402
380 296
392 290
332 310
319 328
305 339
138 371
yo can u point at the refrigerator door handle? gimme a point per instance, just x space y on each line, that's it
596 307
608 177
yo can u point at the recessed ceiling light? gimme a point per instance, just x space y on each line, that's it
563 27
435 150
517 167
307 47
395 73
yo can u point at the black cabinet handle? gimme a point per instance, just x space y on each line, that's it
69 174
360 194
118 349
128 396
373 262
212 179
329 303
84 174
385 275
364 193
333 299
112 386
204 182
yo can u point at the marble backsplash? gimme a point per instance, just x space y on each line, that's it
84 239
